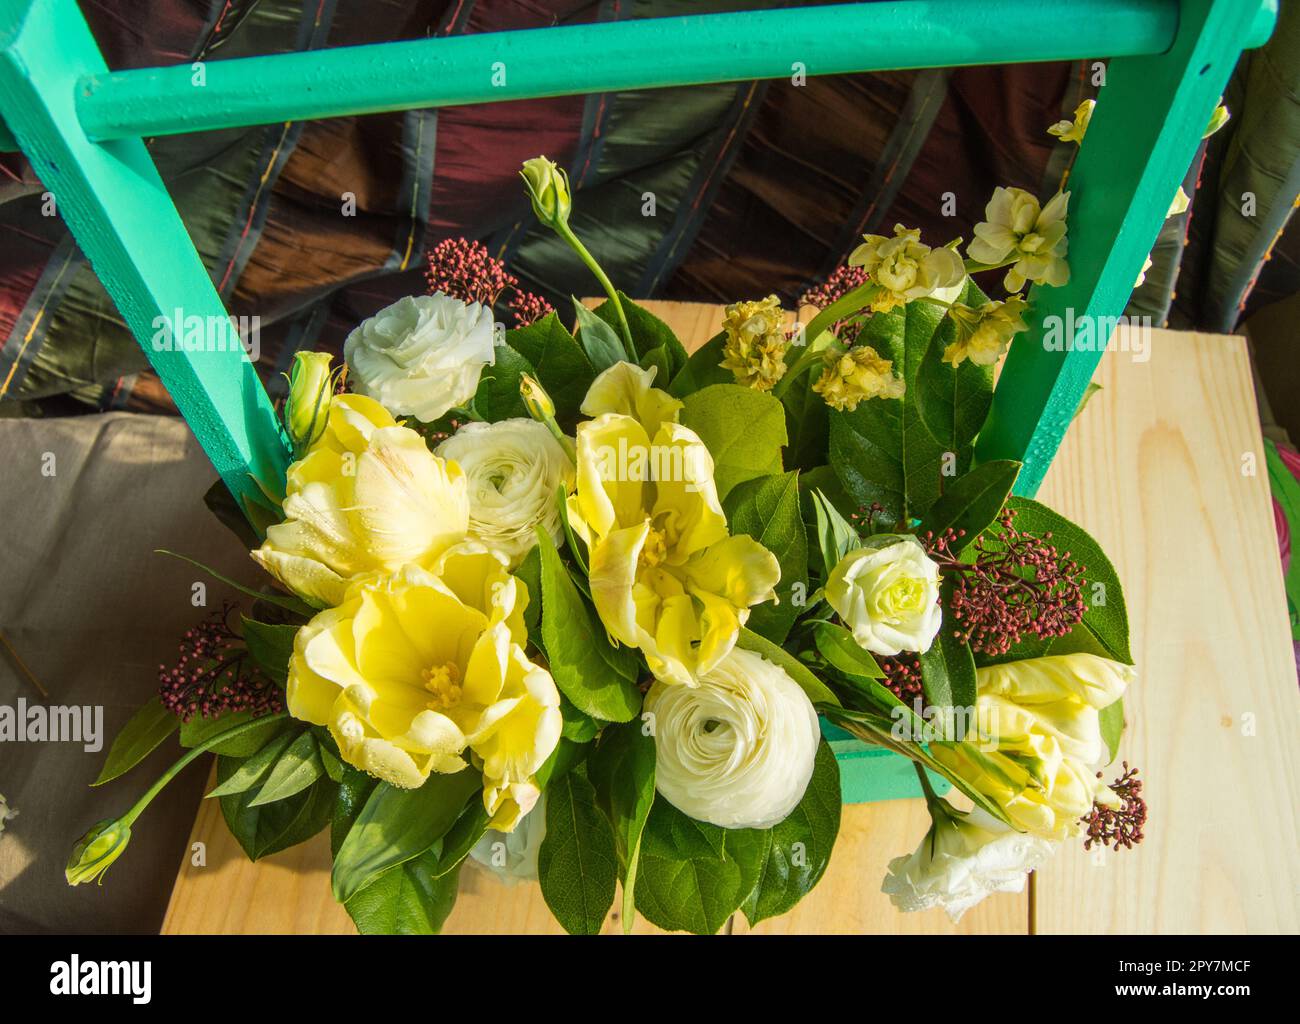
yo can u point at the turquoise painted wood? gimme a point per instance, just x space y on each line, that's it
82 126
610 56
118 209
1144 133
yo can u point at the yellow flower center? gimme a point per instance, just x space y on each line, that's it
443 682
904 596
654 550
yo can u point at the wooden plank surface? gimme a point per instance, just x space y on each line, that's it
1153 470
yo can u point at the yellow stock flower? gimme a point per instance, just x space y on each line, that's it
1074 130
665 576
367 497
1036 744
984 332
756 343
1031 237
904 269
415 668
855 376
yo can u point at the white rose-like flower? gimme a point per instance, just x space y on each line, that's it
962 859
512 856
887 593
514 469
737 750
422 355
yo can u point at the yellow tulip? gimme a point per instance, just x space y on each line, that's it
1036 744
367 497
416 669
665 576
627 389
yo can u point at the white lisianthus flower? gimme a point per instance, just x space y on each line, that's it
887 593
422 355
514 468
962 859
737 750
512 856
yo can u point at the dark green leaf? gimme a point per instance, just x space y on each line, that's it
577 864
285 601
578 727
807 422
702 369
836 536
295 769
354 790
801 844
767 509
454 847
396 825
795 669
599 340
141 735
200 730
599 679
271 646
842 652
406 900
564 758
622 770
497 397
953 402
262 831
561 366
648 333
529 572
253 769
743 429
693 875
948 675
972 501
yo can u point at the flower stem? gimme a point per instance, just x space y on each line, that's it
566 232
138 808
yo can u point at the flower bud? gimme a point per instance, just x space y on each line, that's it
540 406
307 411
96 851
548 188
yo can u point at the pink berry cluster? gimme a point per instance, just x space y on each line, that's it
902 676
1119 825
842 281
214 674
1019 584
465 270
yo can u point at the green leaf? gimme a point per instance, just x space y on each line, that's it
1105 615
252 769
796 669
953 402
693 875
948 675
599 679
972 501
497 397
578 727
564 758
141 735
288 603
767 509
560 364
842 652
882 451
599 340
354 790
801 844
648 334
702 369
262 831
836 536
454 847
743 429
529 572
622 770
200 730
295 769
807 420
396 825
406 900
271 646
1111 720
577 864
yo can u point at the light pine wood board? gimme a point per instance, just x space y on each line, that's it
290 892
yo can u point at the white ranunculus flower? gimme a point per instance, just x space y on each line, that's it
737 750
514 469
512 856
422 355
887 593
962 859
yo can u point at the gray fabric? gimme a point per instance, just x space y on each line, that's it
92 611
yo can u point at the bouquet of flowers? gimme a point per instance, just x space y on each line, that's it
575 604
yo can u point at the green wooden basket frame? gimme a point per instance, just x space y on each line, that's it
83 128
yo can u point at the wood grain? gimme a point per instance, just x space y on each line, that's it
1152 469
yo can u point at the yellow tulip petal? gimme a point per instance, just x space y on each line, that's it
613 573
